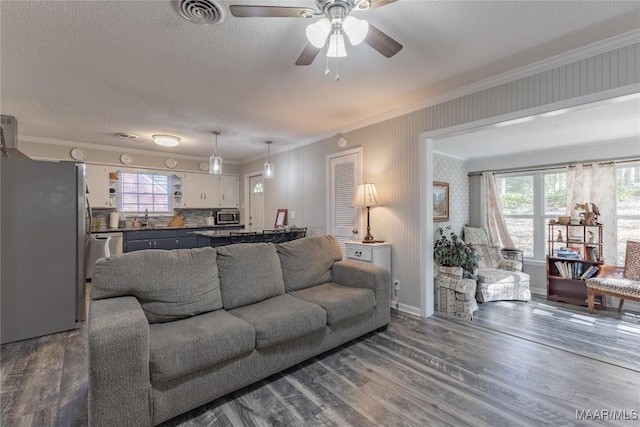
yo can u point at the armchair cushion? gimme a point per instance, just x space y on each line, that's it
475 236
488 256
632 261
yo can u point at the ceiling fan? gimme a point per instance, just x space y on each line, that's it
336 21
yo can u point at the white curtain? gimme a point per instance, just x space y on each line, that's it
596 184
494 221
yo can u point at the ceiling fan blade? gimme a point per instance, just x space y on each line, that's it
269 11
379 3
308 55
382 42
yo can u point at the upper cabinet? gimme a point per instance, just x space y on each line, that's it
103 188
210 191
229 191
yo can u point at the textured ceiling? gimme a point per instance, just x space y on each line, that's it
84 70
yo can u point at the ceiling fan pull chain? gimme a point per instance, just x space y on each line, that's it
327 71
337 74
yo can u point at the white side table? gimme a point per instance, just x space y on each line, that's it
373 253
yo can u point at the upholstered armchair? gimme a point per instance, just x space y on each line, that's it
455 295
500 278
625 287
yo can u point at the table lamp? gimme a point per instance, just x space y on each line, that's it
366 197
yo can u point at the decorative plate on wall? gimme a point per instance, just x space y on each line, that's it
78 154
126 159
204 166
171 163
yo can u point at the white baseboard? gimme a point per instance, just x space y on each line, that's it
409 309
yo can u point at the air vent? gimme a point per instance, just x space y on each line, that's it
202 12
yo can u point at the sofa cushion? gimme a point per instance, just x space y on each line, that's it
170 285
493 275
340 302
307 262
249 273
282 318
185 346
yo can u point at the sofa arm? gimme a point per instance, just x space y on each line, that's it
363 275
119 380
510 265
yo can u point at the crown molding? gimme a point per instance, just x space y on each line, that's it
613 43
91 146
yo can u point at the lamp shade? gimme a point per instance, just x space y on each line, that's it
336 46
269 171
356 29
366 196
215 165
317 33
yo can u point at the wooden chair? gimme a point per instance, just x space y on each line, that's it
242 236
609 283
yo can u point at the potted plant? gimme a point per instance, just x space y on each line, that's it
450 251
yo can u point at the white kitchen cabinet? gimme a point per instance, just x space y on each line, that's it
201 190
99 187
229 191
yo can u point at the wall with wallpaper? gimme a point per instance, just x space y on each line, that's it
455 172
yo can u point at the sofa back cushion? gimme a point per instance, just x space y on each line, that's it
170 285
307 262
249 273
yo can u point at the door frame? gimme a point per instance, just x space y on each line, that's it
247 194
358 151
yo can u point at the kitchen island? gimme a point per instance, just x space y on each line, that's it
226 237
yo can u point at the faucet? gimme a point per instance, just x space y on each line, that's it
145 222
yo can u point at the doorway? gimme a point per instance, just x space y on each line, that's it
256 203
344 172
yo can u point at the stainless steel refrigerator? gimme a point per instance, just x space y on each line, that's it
42 233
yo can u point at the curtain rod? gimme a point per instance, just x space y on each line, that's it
555 166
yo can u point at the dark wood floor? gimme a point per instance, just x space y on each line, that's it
534 367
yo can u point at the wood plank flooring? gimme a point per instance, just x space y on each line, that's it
517 364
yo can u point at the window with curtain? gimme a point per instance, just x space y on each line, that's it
627 207
140 191
528 201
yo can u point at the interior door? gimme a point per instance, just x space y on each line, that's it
256 200
344 175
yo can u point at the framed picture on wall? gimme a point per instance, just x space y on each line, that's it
440 201
281 219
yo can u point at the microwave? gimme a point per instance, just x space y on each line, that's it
230 217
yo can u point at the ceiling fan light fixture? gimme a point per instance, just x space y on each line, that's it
356 29
166 140
317 32
336 46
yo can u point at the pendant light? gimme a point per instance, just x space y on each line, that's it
215 161
269 169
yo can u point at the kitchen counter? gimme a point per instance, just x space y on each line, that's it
156 228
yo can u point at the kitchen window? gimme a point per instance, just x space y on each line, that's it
140 191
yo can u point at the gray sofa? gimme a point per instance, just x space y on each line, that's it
172 330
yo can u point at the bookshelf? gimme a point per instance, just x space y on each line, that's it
575 254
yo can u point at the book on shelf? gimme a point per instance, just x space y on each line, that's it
593 254
591 271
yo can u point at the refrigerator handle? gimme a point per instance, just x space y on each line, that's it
89 213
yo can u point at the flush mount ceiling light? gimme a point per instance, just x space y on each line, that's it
215 161
166 140
269 171
329 31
